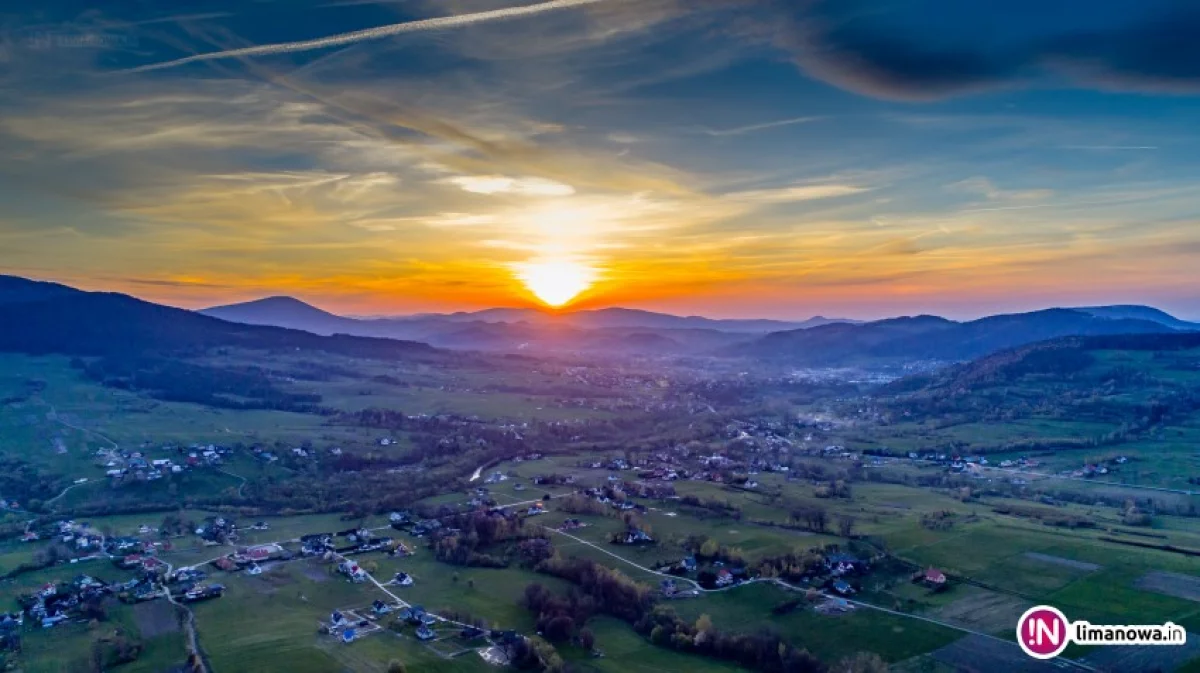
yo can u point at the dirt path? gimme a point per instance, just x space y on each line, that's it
189 624
54 417
65 491
242 487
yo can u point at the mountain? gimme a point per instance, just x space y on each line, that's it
14 289
931 337
1140 313
610 330
617 317
96 323
286 312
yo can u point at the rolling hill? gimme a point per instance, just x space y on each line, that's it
932 338
14 289
98 323
610 330
283 312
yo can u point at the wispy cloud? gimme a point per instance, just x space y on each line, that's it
1109 148
984 187
797 193
500 184
376 33
741 130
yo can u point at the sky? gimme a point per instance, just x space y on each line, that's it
730 158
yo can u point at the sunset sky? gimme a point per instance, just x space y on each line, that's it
733 158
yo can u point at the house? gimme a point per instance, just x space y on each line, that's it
414 615
536 508
724 577
188 575
403 579
381 608
637 536
254 569
259 554
349 635
352 570
425 633
934 577
842 587
689 564
668 587
336 619
200 593
841 563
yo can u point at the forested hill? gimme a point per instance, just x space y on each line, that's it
931 337
93 323
1132 382
1067 360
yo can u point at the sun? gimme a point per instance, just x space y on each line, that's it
556 281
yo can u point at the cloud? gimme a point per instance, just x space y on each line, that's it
797 193
1109 148
156 282
986 188
862 51
622 138
379 32
499 184
740 130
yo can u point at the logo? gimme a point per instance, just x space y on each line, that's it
1043 632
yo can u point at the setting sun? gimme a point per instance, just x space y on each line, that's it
556 282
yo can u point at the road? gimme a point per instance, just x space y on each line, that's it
869 606
65 491
626 561
54 417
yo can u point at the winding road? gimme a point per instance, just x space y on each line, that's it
774 580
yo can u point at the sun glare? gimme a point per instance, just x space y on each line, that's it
556 282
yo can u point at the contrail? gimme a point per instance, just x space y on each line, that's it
759 127
376 33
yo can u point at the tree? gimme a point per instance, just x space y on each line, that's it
846 525
559 628
397 666
587 639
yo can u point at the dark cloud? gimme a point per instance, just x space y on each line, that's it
1162 55
174 283
855 45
